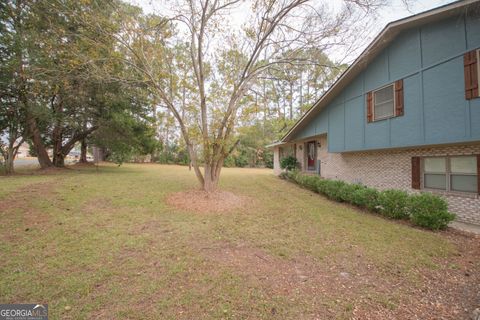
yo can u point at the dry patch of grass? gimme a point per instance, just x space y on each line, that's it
110 243
204 202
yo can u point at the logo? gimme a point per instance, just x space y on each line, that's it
23 311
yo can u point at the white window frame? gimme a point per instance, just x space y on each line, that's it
448 173
394 102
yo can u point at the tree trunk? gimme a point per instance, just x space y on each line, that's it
34 133
9 169
83 152
291 100
59 159
210 177
58 156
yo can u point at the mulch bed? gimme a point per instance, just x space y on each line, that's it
205 202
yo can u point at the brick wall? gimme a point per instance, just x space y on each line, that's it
392 169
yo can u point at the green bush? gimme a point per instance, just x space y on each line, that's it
425 210
310 182
333 189
394 204
268 159
429 211
322 185
290 175
346 192
284 175
289 163
366 198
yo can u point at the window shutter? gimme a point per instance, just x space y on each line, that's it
370 106
470 65
399 98
415 172
478 174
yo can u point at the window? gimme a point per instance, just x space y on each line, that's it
457 173
435 176
463 174
384 103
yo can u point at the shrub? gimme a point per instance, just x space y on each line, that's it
429 211
394 204
289 163
333 189
346 192
366 198
268 159
283 175
292 175
310 182
424 210
322 185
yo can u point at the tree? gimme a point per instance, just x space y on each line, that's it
224 62
125 136
15 90
71 102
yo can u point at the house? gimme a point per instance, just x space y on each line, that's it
405 114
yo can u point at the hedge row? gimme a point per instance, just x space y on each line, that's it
425 209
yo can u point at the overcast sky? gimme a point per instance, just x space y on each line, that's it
395 11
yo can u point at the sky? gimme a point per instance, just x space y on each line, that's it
396 10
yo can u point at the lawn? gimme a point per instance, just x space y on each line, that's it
104 244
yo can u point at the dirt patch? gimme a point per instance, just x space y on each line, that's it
19 202
204 202
96 205
51 170
449 291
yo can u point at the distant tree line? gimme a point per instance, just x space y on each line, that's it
186 87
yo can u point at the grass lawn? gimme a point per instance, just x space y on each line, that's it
104 244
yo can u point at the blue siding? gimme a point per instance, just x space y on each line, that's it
409 128
377 135
336 128
475 118
430 62
404 55
308 131
443 40
444 102
321 123
354 89
376 74
354 128
472 26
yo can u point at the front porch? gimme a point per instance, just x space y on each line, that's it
309 153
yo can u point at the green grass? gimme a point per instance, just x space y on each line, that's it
106 243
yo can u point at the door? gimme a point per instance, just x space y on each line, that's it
311 155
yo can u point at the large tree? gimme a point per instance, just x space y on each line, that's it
223 59
47 94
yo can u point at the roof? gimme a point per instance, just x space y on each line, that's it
384 38
275 144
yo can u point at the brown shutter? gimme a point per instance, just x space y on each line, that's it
470 65
415 172
478 173
369 106
399 98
